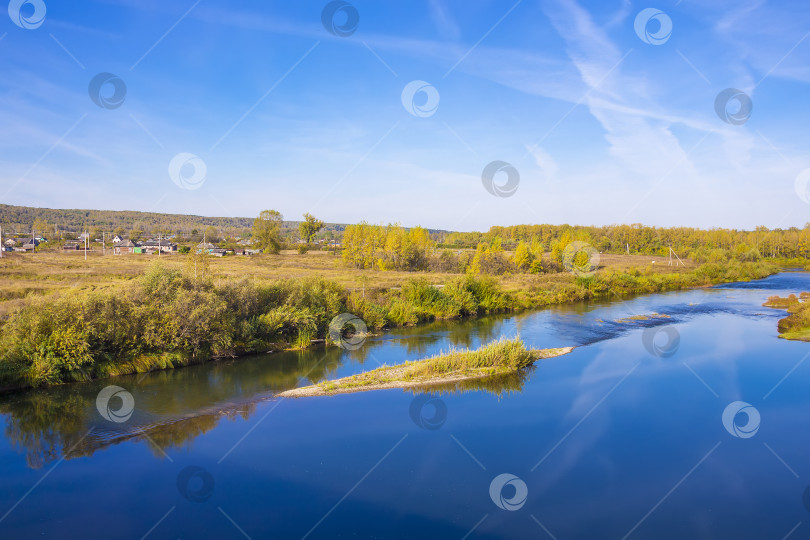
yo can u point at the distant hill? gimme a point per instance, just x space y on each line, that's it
21 218
71 222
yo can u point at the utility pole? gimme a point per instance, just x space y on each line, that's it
86 237
2 246
158 244
103 243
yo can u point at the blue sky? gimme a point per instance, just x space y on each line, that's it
602 126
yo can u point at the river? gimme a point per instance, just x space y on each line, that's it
693 425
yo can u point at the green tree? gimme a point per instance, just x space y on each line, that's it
212 234
267 231
309 228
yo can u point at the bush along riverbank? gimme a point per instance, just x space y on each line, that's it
797 324
167 319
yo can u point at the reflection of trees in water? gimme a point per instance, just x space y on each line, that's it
461 333
172 407
359 355
42 427
181 434
318 365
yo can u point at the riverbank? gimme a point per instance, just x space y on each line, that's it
502 357
169 318
796 326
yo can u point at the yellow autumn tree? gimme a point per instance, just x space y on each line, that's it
522 257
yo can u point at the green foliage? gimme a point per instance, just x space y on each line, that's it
267 231
419 301
309 228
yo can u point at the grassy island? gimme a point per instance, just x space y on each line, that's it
498 358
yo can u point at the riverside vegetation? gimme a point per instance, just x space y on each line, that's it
797 324
171 317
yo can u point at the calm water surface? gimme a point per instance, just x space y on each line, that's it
623 438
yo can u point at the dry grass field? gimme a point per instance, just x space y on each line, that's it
42 273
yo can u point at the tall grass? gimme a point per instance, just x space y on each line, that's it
503 355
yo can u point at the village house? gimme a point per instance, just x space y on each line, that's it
205 247
153 246
22 244
126 246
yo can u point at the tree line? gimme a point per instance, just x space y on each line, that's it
700 245
395 247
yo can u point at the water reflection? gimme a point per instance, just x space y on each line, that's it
172 407
175 407
499 385
460 333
